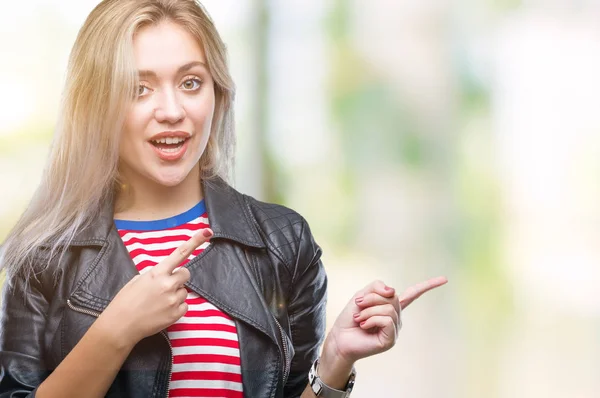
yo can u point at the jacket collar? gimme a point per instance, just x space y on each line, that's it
229 215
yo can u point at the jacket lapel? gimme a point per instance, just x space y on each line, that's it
106 274
219 274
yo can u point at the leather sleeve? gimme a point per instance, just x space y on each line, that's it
306 311
22 321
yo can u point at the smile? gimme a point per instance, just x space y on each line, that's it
170 147
169 141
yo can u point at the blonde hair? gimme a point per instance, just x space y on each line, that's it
81 171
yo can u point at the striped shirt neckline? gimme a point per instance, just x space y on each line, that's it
165 223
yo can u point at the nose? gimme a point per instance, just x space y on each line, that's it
169 109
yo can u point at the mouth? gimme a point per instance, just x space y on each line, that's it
170 145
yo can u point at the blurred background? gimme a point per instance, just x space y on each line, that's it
418 138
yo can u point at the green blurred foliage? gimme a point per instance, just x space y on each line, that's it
486 291
380 131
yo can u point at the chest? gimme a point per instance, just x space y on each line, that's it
247 286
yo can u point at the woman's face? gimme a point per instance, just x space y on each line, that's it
168 125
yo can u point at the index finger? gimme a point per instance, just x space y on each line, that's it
414 292
172 261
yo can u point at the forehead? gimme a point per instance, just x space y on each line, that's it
165 46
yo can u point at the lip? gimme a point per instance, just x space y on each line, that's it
164 134
171 156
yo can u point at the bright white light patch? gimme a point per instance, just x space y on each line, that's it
15 107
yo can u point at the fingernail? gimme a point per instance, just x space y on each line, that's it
389 289
207 233
356 315
363 323
358 300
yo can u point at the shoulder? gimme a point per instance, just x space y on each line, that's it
279 229
38 272
286 233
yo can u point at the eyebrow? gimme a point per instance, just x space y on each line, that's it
183 68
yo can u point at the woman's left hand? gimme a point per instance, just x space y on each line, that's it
370 322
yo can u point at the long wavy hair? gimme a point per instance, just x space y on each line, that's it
81 171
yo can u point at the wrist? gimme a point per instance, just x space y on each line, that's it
112 335
334 370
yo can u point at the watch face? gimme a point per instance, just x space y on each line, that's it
350 385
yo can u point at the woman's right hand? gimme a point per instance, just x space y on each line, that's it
153 301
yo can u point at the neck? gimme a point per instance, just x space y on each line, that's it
144 200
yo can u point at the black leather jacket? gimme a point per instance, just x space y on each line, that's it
262 267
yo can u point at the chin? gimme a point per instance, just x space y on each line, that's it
171 180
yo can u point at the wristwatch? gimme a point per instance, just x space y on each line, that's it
323 390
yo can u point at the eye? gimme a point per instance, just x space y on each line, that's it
191 84
142 90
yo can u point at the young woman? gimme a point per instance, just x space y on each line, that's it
136 270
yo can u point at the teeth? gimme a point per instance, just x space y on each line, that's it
169 150
169 140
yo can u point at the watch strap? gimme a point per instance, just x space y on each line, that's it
323 390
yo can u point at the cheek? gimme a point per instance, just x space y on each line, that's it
202 110
203 119
134 126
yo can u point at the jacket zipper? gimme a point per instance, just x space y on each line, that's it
285 351
166 336
82 310
163 333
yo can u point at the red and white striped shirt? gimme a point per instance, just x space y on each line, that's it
206 355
